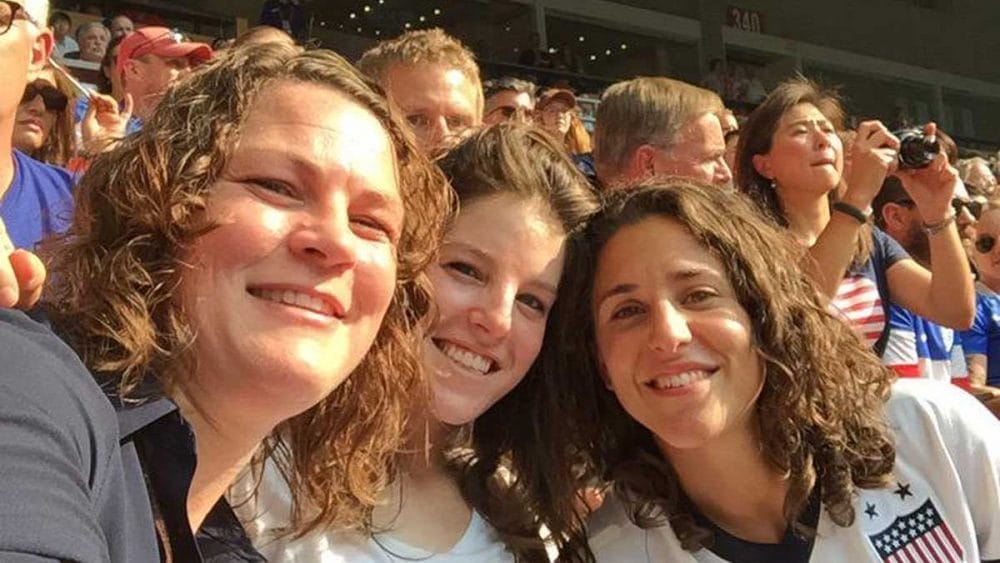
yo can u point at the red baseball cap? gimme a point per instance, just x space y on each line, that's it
161 42
554 94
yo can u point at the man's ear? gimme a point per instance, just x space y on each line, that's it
892 217
41 49
642 165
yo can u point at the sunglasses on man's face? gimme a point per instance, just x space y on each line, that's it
53 99
975 207
11 11
985 243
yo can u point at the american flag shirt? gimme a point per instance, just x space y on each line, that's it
863 296
941 506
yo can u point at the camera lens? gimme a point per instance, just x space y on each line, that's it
916 150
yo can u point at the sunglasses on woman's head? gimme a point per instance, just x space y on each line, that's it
985 243
53 99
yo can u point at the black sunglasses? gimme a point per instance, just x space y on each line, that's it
54 99
975 207
985 243
10 11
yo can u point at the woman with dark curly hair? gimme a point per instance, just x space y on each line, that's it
243 277
494 282
790 160
736 418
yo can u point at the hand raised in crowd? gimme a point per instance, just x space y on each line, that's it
873 157
933 186
22 275
105 122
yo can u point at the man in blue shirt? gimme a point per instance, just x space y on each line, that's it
24 48
35 198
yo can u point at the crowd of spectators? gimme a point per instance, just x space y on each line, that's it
258 303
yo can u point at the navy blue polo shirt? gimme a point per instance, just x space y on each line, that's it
82 475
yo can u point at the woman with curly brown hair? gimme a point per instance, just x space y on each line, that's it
494 283
736 418
790 160
244 276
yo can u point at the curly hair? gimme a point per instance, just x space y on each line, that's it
422 46
756 137
522 160
820 411
140 208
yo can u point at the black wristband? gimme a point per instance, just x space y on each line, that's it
853 212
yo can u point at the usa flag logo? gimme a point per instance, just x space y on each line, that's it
921 536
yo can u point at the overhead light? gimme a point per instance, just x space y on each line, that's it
322 24
423 19
406 25
552 50
582 39
593 57
352 15
607 51
359 30
437 11
368 8
624 46
507 28
377 32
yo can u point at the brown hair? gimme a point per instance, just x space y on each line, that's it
60 143
756 137
523 160
141 206
820 411
645 110
423 46
577 138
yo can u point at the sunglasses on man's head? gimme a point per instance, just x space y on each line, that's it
985 243
53 99
975 207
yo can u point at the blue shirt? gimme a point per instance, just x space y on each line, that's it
983 337
917 347
38 203
78 466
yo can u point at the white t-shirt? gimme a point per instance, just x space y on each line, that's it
945 497
271 509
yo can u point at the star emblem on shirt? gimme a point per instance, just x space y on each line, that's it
870 510
902 490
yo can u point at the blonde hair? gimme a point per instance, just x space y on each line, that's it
648 109
423 46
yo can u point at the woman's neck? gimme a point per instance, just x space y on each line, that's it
807 214
225 441
426 509
734 486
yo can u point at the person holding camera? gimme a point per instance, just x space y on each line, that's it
791 160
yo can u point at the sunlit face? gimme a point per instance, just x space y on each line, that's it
438 101
672 338
494 283
15 56
34 122
93 42
988 263
698 153
502 105
121 26
555 117
288 292
147 79
806 153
